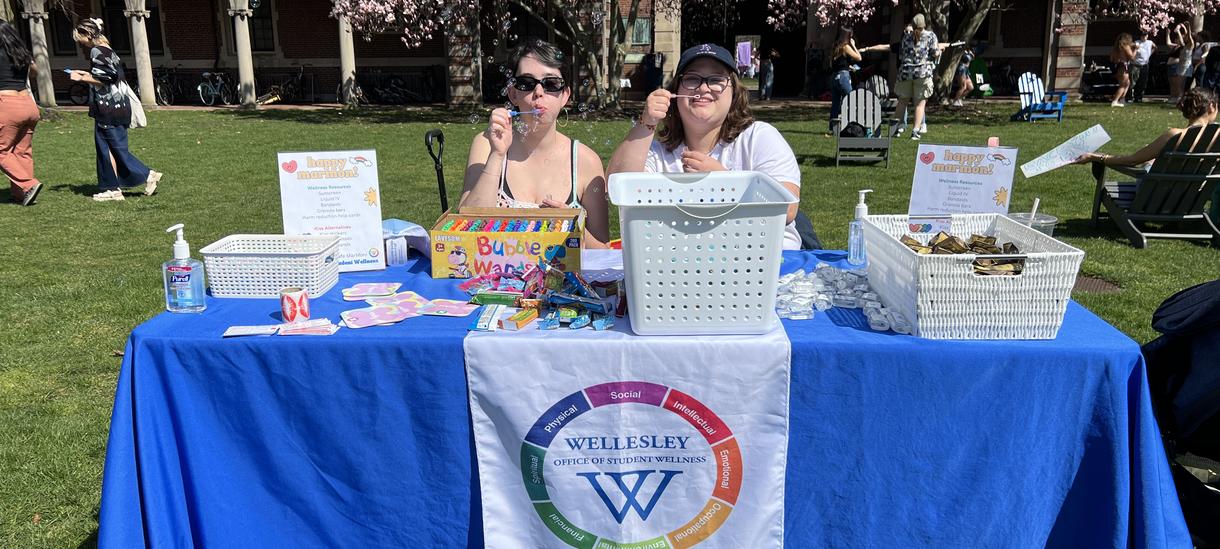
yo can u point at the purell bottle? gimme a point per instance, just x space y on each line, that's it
184 288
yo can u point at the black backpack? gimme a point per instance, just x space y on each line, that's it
853 129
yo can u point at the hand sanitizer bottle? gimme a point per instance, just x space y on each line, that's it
855 232
184 288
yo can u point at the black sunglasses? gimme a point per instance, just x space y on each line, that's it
553 84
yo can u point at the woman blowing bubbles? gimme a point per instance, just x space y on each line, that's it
538 167
708 127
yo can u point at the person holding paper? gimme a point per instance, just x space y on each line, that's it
1198 106
706 125
110 109
528 163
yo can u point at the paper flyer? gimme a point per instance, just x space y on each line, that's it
1084 142
335 193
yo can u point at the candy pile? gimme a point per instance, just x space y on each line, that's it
545 294
801 293
944 243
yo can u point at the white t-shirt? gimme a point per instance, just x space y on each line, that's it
1143 52
759 148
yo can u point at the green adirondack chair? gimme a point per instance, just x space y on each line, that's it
1174 191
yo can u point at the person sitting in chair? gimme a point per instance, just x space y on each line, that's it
1199 107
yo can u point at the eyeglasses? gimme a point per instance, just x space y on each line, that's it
553 84
716 82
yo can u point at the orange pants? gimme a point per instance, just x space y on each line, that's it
18 116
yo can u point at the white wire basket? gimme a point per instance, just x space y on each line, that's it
701 252
260 265
945 297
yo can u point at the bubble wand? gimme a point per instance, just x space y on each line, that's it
534 112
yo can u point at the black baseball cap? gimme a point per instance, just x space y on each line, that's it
706 50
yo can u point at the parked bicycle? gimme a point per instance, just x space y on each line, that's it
166 84
290 90
215 88
357 98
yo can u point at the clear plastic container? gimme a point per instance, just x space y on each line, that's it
1042 223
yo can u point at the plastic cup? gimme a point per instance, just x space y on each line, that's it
1042 223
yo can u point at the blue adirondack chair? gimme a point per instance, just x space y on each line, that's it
1036 102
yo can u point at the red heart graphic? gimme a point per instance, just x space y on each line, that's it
927 157
289 167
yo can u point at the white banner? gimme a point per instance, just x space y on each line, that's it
1067 152
610 440
335 193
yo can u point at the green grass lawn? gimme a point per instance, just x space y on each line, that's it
77 276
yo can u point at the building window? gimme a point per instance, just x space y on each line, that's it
61 35
262 29
641 33
118 29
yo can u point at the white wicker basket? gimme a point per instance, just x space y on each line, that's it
945 299
260 265
701 251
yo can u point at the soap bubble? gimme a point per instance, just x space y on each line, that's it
608 142
508 24
584 82
490 60
504 91
520 127
474 119
582 107
495 42
597 18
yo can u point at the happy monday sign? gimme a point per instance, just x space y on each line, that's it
951 179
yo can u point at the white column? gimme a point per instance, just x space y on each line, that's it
35 11
139 45
241 12
347 61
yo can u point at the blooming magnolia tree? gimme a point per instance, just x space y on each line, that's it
582 23
1155 15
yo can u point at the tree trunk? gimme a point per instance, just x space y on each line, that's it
937 13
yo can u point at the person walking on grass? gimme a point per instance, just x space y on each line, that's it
1121 57
766 75
1144 48
917 52
845 57
18 116
965 84
110 109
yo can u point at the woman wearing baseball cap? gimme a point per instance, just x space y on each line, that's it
701 122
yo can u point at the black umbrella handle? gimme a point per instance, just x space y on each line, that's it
439 136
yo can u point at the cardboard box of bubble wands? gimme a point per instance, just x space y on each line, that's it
477 241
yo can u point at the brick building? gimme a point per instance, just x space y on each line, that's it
290 39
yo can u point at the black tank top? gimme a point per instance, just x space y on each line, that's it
12 77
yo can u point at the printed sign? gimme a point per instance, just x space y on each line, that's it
1084 142
648 453
335 193
951 179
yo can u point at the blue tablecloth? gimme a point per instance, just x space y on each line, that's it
362 439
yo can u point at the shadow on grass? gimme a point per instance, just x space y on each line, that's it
1083 228
370 115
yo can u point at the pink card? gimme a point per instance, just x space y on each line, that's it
364 290
448 307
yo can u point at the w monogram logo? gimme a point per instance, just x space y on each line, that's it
630 493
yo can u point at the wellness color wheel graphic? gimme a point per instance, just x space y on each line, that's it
726 457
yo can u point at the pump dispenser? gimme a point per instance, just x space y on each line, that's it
183 278
855 232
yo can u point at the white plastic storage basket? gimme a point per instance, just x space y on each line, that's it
260 265
701 252
946 299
